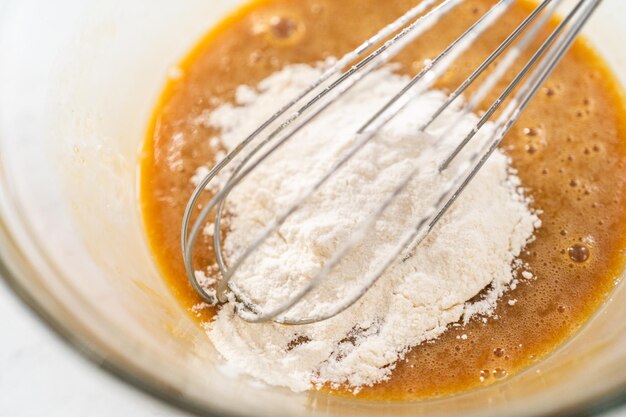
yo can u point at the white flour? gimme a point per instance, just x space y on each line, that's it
473 247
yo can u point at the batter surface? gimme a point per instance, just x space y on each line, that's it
569 147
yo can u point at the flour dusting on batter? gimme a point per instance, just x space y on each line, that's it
472 249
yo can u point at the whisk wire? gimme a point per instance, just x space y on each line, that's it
544 60
421 24
512 113
455 188
485 64
393 107
499 73
339 87
339 65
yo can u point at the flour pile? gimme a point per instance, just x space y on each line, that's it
474 247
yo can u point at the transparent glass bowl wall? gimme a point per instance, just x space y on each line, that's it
78 82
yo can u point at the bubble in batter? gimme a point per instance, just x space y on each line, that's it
578 252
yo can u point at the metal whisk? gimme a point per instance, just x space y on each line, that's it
337 80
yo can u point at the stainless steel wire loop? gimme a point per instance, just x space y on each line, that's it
336 81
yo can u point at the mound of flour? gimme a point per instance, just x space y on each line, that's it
472 248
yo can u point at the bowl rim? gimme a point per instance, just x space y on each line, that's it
94 353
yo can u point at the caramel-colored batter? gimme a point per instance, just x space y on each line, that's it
569 148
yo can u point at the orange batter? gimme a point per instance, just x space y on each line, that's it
569 147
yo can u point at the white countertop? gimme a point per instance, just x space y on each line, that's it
41 376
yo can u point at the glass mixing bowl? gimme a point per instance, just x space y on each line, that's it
78 82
